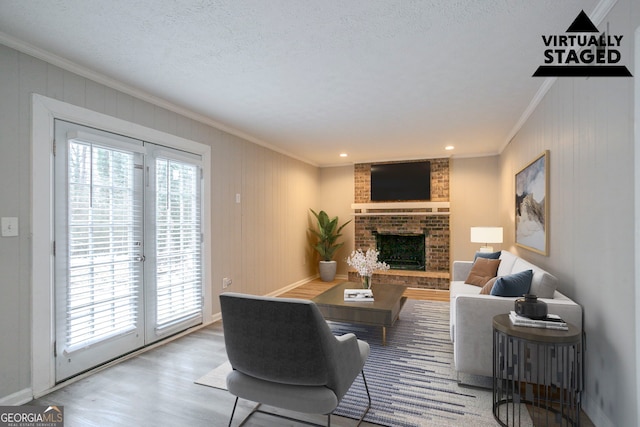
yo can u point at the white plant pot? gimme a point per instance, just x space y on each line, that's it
327 270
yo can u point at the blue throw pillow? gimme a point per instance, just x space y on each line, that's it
513 285
489 255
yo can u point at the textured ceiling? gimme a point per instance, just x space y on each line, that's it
377 79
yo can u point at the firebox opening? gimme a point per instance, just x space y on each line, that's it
402 251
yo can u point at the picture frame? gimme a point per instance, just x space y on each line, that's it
532 205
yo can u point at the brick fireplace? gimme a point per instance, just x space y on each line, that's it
427 221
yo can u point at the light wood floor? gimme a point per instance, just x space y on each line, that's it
156 388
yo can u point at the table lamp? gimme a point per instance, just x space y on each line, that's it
486 235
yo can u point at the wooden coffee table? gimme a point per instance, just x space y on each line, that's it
383 311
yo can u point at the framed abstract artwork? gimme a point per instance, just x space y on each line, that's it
532 205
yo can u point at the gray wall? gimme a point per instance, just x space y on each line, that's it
474 202
336 196
587 125
260 243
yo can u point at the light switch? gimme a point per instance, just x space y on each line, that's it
9 226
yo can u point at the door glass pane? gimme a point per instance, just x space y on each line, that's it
104 239
178 242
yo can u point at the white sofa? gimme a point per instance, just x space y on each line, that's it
471 314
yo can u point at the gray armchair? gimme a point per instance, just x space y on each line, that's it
284 355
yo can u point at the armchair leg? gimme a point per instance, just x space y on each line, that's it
366 387
233 412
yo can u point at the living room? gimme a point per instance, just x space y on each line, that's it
260 198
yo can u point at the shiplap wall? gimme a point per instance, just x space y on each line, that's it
587 126
260 243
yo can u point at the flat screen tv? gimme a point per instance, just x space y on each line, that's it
401 181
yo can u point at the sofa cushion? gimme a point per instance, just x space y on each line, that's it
543 285
486 289
461 288
521 265
507 259
513 285
490 255
483 269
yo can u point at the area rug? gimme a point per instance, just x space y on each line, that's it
411 380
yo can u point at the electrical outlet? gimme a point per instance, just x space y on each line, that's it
226 282
9 226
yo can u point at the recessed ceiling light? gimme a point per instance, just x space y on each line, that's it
343 154
449 147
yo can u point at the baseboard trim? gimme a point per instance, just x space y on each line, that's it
18 398
214 318
292 286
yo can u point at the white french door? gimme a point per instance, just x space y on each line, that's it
128 253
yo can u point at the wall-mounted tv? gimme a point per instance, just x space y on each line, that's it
401 181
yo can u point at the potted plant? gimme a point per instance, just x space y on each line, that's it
327 233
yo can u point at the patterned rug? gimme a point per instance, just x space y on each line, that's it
411 380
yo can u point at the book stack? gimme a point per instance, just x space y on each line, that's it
358 295
552 321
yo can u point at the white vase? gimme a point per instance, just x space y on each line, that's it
327 270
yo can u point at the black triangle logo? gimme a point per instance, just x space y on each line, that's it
582 24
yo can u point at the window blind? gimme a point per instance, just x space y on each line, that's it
178 242
104 239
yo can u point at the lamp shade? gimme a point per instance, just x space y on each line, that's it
486 234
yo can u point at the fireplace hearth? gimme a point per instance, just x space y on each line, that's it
402 251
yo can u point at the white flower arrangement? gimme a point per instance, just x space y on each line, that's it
366 263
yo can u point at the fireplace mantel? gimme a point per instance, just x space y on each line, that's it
400 208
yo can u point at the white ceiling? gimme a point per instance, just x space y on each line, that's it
377 79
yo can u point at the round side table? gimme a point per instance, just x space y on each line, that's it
539 367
